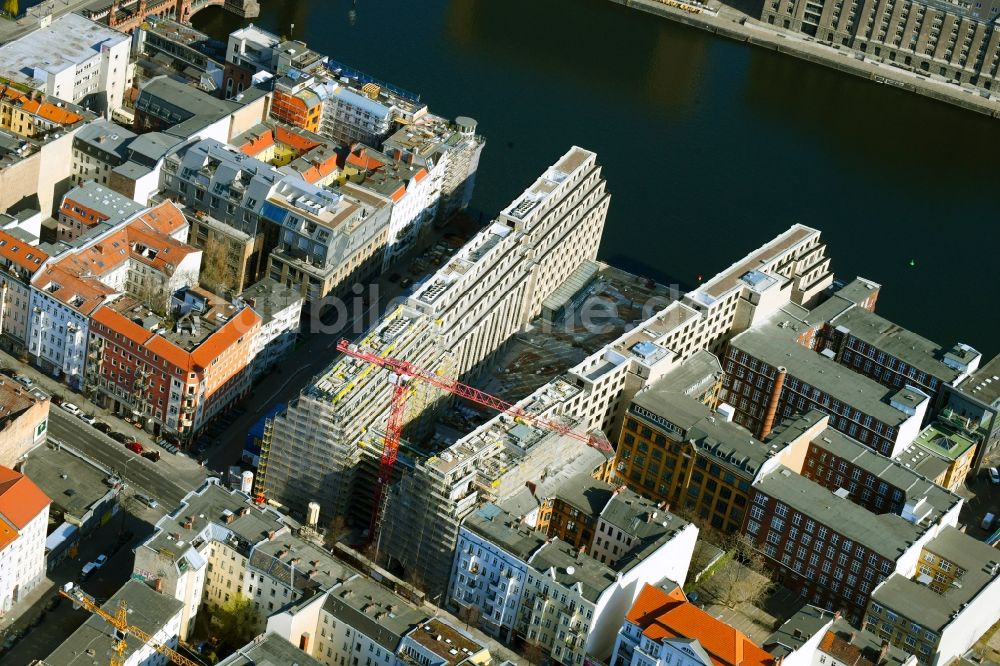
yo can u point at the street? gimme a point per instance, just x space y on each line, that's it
168 480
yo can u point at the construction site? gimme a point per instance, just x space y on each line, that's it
525 312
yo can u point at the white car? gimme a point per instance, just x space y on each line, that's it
26 380
89 419
994 476
101 560
71 408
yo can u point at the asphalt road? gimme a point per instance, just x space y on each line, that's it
167 482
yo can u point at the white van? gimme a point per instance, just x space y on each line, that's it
987 521
88 570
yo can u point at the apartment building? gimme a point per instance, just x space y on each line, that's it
92 206
412 192
74 59
227 186
165 46
942 453
268 648
572 512
662 627
172 377
956 41
833 551
328 241
942 606
280 310
24 419
19 261
448 150
139 176
249 50
36 146
770 376
97 268
98 149
24 519
156 615
544 592
298 151
817 637
456 321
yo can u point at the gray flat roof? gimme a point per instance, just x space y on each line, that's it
893 471
105 136
373 610
984 384
887 534
213 504
560 557
727 443
915 350
504 530
651 525
148 610
777 347
106 201
921 604
268 650
796 630
586 493
270 297
298 563
83 486
69 40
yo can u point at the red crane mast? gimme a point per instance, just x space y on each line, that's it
404 371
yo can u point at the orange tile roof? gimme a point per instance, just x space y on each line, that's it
420 175
42 109
321 170
86 216
89 292
299 142
226 336
165 218
844 651
663 615
169 252
258 144
20 499
361 159
17 252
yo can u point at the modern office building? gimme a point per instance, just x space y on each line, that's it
24 520
459 319
73 59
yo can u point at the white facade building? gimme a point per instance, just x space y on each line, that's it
280 310
74 59
24 518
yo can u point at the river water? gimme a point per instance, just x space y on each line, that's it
709 147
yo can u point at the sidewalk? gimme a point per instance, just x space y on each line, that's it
45 588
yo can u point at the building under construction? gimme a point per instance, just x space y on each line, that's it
325 447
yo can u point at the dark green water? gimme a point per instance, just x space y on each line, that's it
709 147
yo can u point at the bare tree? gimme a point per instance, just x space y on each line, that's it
217 273
152 291
742 579
469 615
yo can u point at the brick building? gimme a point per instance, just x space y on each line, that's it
177 379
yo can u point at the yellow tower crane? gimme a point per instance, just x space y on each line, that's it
122 629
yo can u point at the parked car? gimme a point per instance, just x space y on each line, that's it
101 560
71 408
89 419
103 427
151 455
134 447
987 521
994 476
88 570
26 380
118 437
148 501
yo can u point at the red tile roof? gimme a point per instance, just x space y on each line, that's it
17 252
20 499
42 109
663 615
361 159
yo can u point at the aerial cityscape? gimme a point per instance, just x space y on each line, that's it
465 333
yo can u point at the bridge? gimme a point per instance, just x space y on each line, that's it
127 15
